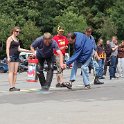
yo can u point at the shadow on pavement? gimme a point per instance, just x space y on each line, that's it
99 93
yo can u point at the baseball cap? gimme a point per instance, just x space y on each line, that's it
60 28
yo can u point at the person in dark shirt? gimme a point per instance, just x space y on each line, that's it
102 56
121 59
108 54
43 48
12 50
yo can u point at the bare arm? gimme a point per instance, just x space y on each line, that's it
8 42
23 50
114 48
33 50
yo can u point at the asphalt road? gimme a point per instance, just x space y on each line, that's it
102 104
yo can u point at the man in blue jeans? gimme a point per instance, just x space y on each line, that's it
92 61
82 55
113 58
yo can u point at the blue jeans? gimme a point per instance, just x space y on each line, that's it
113 65
95 66
84 69
101 67
74 71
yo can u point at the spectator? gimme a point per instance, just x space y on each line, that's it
121 59
108 54
93 63
62 42
113 58
12 50
101 54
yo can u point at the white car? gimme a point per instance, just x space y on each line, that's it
25 55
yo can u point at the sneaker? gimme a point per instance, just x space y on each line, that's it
87 87
58 85
97 81
45 88
14 89
111 78
72 81
101 77
62 85
116 76
68 85
11 89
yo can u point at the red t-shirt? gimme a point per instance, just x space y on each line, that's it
61 41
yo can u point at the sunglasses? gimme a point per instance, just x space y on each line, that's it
17 31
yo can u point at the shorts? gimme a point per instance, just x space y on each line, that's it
14 58
59 69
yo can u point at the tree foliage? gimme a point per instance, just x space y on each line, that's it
38 16
117 15
71 22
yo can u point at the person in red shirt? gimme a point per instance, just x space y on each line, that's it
63 45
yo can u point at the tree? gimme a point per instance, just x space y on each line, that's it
117 15
71 22
6 24
29 33
108 29
19 13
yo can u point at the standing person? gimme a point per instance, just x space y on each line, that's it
44 47
62 42
108 54
93 63
12 50
121 59
113 58
82 55
102 56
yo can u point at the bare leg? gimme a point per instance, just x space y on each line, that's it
11 71
15 72
60 78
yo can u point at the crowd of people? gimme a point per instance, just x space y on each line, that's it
87 53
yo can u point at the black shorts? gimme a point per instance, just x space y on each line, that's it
14 58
